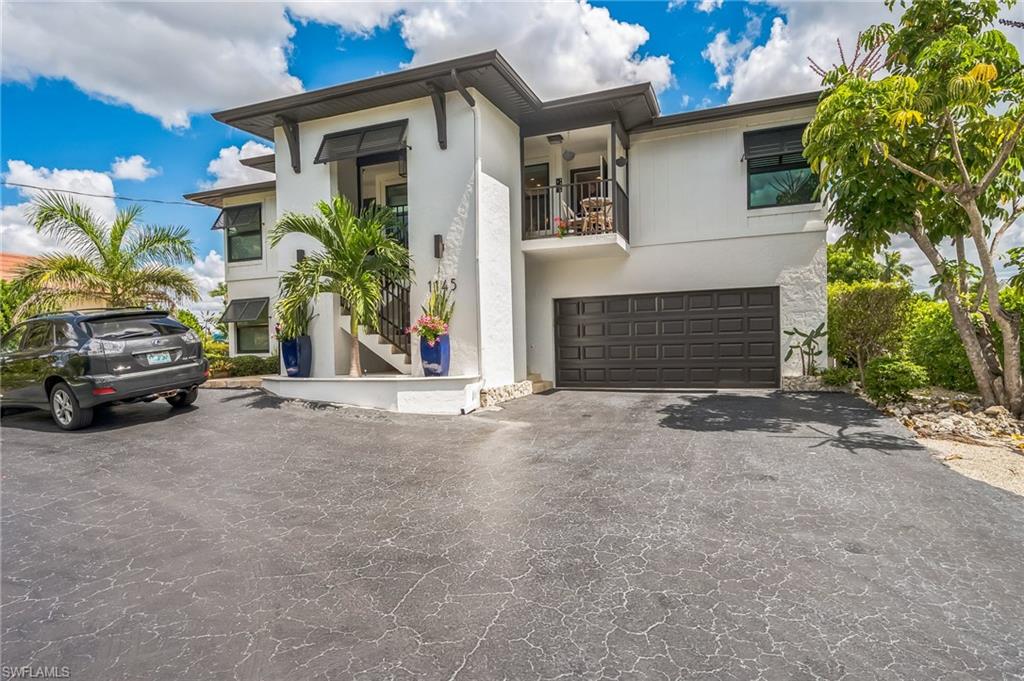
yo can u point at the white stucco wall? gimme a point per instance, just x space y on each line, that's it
690 229
501 262
441 201
253 278
795 262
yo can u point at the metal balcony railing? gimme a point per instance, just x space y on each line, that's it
575 209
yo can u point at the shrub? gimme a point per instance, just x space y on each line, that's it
866 320
839 376
252 365
890 379
214 348
932 342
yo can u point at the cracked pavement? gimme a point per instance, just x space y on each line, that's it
583 535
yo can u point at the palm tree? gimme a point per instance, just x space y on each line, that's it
893 269
358 256
122 264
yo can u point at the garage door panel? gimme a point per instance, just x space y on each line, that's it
722 338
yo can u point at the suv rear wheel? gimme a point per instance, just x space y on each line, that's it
183 399
66 411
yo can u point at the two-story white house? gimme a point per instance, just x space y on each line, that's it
591 241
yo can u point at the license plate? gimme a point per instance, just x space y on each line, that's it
159 358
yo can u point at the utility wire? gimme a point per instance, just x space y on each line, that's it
104 196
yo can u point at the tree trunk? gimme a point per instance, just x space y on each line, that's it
355 368
983 375
1012 393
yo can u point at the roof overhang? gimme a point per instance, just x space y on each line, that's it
215 197
488 72
718 113
629 106
264 163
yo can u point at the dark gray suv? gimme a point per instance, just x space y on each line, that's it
71 362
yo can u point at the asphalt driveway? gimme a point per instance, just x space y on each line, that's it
575 535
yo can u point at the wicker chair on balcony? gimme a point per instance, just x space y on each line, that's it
597 215
573 223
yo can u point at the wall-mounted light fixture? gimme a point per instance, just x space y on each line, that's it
555 139
620 162
438 246
300 255
568 155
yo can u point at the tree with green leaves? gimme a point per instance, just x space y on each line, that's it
931 148
13 294
358 255
848 265
121 264
893 269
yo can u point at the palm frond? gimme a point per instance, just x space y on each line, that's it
62 271
168 245
122 225
157 282
68 221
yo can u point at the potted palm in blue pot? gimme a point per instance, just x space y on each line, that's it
294 316
432 328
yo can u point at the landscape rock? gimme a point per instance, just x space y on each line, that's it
959 417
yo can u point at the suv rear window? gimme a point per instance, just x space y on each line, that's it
135 327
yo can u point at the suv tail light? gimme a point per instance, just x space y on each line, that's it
97 346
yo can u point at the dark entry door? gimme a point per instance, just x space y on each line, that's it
724 338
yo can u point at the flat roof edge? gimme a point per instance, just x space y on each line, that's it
731 111
215 197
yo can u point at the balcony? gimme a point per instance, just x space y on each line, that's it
581 219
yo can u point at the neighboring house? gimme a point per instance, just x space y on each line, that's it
591 240
10 263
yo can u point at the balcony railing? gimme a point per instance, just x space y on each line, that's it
393 316
575 209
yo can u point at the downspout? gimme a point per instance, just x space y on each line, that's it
476 215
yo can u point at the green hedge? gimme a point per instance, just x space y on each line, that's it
888 379
246 365
932 342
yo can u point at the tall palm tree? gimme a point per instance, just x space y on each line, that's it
122 264
358 255
893 267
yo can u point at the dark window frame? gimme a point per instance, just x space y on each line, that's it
258 230
263 322
547 173
780 166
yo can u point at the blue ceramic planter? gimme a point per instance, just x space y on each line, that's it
435 359
297 355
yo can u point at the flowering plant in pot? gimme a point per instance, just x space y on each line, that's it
432 328
292 330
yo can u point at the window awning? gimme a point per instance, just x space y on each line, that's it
776 142
246 310
374 139
238 216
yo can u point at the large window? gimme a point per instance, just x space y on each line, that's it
244 228
252 328
777 172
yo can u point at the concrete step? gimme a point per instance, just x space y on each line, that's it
534 377
542 386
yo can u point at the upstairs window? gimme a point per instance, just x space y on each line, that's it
244 228
777 172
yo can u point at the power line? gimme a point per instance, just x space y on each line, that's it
104 196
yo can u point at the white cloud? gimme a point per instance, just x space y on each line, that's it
134 167
207 272
16 235
228 171
360 18
779 66
168 60
560 48
709 5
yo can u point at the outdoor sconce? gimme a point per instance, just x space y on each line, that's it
620 162
568 154
438 246
300 255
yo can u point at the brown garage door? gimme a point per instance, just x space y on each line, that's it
726 338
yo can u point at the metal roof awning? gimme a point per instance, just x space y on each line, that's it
245 310
374 139
238 215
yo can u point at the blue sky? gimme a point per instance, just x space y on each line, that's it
116 81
